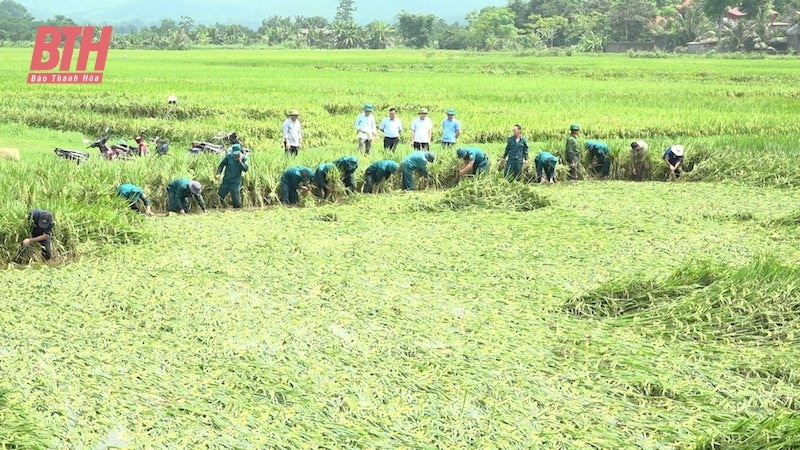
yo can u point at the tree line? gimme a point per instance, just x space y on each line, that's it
582 25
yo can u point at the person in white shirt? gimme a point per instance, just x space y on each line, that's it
365 127
421 131
292 133
391 127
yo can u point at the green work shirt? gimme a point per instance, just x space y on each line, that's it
573 154
476 155
545 157
132 193
233 168
383 168
298 176
416 161
346 164
597 147
321 175
179 189
516 150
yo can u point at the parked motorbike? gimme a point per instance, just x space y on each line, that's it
219 144
74 155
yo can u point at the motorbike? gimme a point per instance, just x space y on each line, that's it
219 144
73 155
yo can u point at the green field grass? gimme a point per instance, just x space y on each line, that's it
610 315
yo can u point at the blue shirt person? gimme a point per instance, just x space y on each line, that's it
451 129
674 158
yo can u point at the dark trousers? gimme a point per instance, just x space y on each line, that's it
549 169
513 169
46 249
390 143
365 145
422 146
292 151
234 190
349 180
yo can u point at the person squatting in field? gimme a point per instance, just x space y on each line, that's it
234 164
573 151
475 159
366 129
42 224
391 127
599 157
378 172
134 195
294 178
416 162
346 165
515 156
451 129
674 158
545 162
421 131
640 165
178 193
292 133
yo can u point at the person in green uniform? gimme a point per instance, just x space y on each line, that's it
515 157
476 161
294 178
416 161
233 164
546 162
573 152
640 165
178 193
346 165
134 195
599 157
378 172
42 223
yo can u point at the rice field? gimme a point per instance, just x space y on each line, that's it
472 314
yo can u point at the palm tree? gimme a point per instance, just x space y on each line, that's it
347 35
379 35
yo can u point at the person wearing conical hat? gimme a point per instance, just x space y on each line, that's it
178 193
421 131
366 129
292 133
573 151
640 165
674 158
233 164
451 129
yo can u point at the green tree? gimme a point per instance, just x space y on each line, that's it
629 19
715 10
347 35
16 24
379 34
547 28
493 28
416 30
588 32
345 11
453 37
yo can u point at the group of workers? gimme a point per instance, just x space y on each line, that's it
301 178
